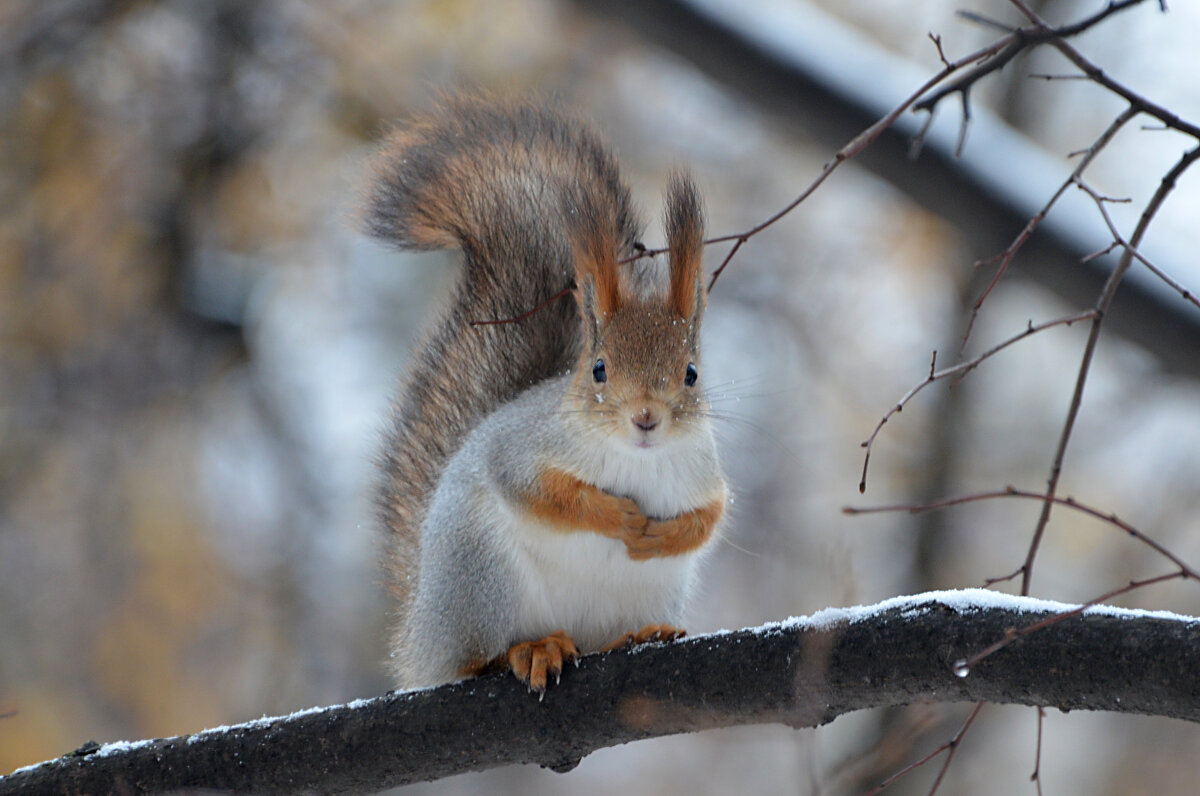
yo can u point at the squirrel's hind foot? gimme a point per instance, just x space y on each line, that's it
532 661
646 635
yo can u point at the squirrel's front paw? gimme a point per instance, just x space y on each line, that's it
647 634
659 539
531 661
622 520
682 534
632 521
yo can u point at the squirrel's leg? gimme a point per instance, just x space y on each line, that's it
566 501
647 634
677 535
531 661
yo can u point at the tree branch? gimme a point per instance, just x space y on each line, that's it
1021 39
1005 257
801 673
834 86
1166 185
959 371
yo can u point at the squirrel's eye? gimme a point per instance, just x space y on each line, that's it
598 373
692 374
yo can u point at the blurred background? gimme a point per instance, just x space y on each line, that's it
197 349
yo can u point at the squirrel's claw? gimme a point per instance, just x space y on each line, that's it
647 634
532 661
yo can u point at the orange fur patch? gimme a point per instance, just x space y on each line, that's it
677 535
569 503
601 267
594 244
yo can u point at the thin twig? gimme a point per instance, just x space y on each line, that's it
1114 7
1101 307
1042 76
985 61
1005 257
984 21
1014 633
1022 39
1095 73
937 42
960 370
1013 492
964 125
527 313
992 581
893 745
1120 241
1016 42
847 152
1087 258
732 251
1146 106
952 745
1036 777
1026 37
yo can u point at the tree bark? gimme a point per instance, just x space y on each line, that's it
801 673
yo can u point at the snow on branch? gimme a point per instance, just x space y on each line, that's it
802 672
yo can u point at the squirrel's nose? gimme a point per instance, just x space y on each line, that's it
646 420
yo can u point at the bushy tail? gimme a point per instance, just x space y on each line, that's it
499 181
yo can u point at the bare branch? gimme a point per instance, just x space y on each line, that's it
802 673
1012 634
984 21
1120 241
1114 7
1015 43
952 745
518 318
1021 39
1106 296
1041 76
937 42
959 370
1057 39
1005 257
1013 492
1036 776
732 251
847 152
964 125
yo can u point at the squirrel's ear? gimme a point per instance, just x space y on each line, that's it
586 298
685 244
597 275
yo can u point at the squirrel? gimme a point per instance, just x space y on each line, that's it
549 484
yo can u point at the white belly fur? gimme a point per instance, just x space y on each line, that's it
585 584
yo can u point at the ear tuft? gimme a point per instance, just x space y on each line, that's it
685 243
594 246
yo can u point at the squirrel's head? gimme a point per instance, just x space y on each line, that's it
639 375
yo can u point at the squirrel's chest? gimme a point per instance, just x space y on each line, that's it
587 585
663 483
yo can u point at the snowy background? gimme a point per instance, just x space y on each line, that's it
197 350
